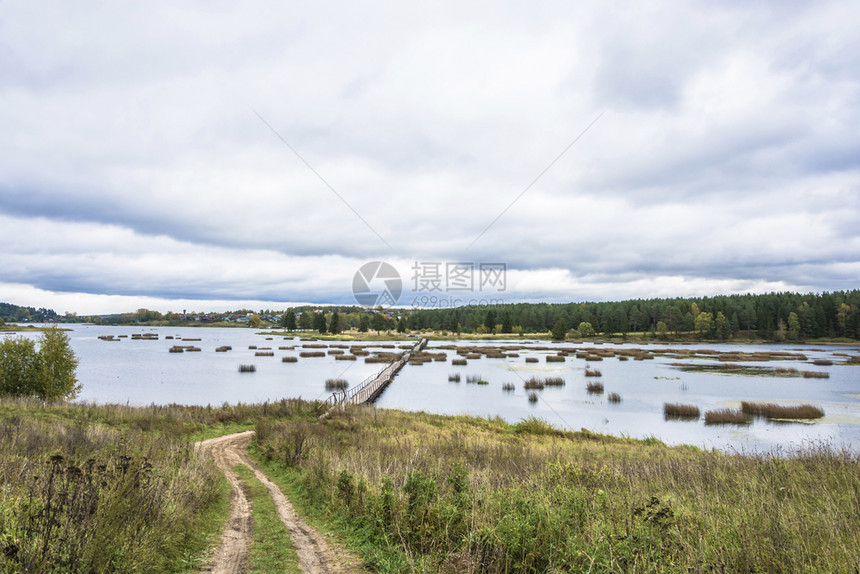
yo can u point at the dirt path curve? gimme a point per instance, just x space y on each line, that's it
316 555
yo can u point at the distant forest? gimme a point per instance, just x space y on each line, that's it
772 316
9 312
777 316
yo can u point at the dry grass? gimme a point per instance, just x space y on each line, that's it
533 397
613 398
532 360
311 354
534 383
592 372
680 411
594 387
555 359
264 354
289 359
422 493
822 362
508 387
454 378
774 411
336 384
459 362
727 417
816 375
247 369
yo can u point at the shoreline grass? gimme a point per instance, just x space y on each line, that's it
487 496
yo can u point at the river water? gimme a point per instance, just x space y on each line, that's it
142 372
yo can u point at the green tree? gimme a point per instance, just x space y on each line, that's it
363 324
320 323
57 365
490 321
793 326
255 322
288 320
704 323
334 323
19 367
842 315
378 323
306 320
559 330
401 325
662 330
507 323
721 325
585 329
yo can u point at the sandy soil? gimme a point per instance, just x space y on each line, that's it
316 554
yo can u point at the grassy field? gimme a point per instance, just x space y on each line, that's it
112 488
426 493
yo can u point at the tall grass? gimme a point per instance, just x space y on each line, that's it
727 417
423 493
774 411
594 387
336 384
680 411
247 368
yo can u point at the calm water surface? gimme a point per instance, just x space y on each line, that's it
141 372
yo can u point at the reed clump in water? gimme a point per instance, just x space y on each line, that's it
247 369
613 398
774 411
594 388
727 417
223 349
289 359
264 354
554 359
592 372
532 360
336 384
454 378
508 387
312 354
680 411
816 375
534 383
458 362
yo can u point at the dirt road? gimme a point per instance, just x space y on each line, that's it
316 555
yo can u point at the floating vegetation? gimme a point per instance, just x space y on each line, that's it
286 348
822 362
176 349
816 375
147 336
247 369
532 360
336 384
680 411
592 372
555 359
594 358
594 388
727 417
345 358
252 347
315 346
454 378
748 370
312 354
508 387
264 354
774 411
108 338
336 352
613 398
223 349
459 362
289 359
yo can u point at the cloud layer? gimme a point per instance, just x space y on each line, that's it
134 163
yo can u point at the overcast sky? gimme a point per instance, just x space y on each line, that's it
146 160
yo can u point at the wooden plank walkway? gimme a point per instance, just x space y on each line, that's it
372 386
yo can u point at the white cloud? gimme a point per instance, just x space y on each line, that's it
133 163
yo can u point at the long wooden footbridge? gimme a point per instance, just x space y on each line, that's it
371 387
